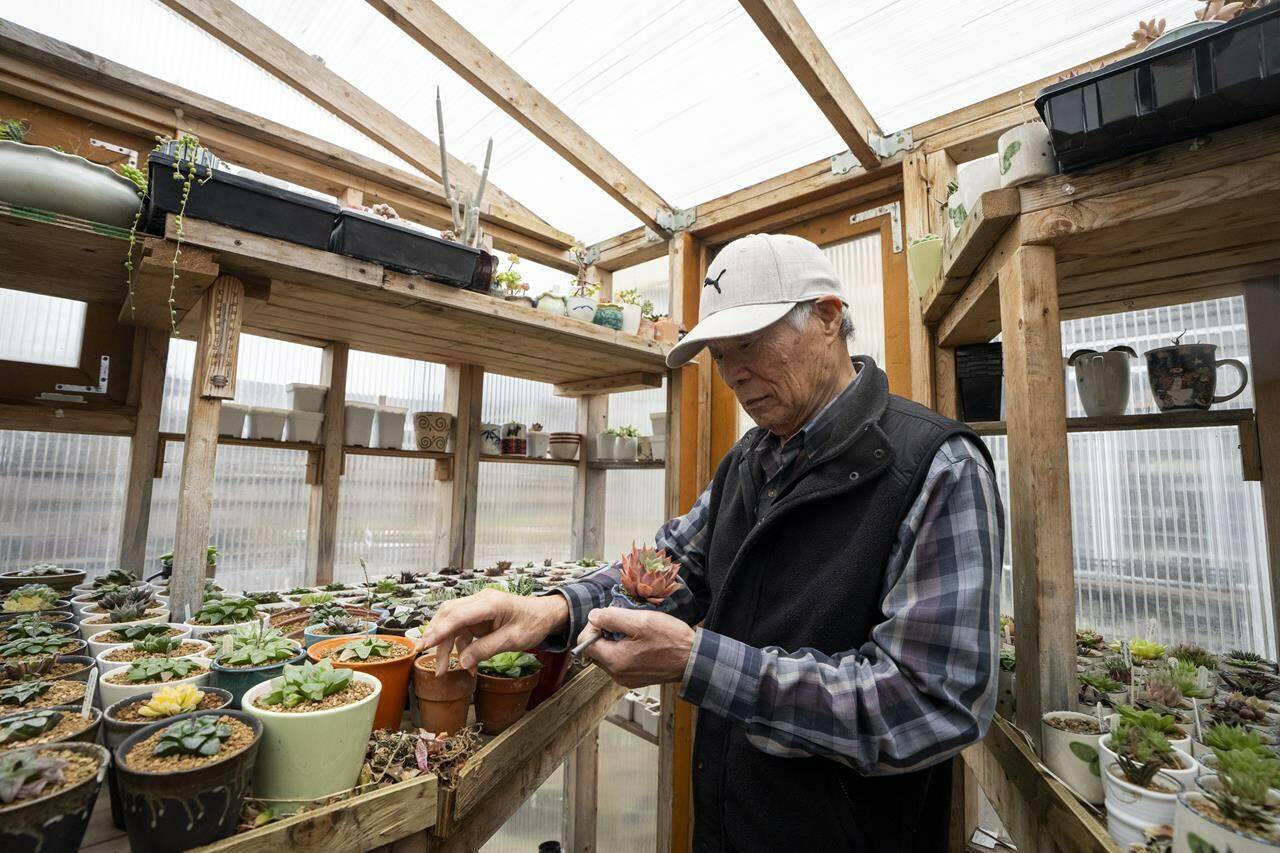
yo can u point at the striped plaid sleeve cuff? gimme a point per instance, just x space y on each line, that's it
582 596
722 675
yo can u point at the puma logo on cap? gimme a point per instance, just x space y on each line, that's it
714 282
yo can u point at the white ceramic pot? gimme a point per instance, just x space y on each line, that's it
305 756
1025 155
564 446
357 424
303 426
626 448
631 319
924 260
231 417
1074 757
199 632
432 431
977 177
538 443
266 423
306 398
606 446
515 439
582 308
105 665
97 646
89 626
550 303
658 420
110 692
490 439
1131 810
1191 826
1102 378
956 213
390 427
659 443
39 177
1180 743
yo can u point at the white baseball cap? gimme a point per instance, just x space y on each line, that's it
753 283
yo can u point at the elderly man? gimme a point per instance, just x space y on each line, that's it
843 565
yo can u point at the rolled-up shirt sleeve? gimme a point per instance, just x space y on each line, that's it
924 684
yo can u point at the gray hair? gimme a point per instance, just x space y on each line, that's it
801 311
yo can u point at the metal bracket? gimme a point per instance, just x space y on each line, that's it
844 163
117 149
677 220
104 371
894 211
887 146
651 236
591 255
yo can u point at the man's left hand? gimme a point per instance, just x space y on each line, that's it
654 650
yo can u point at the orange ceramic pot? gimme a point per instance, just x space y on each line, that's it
394 675
502 701
442 700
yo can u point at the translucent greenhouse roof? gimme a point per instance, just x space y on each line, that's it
687 93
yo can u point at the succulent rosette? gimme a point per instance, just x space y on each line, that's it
648 577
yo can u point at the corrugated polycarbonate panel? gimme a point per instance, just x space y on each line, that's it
40 329
536 821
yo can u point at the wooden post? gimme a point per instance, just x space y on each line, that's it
945 391
1262 306
212 381
322 514
151 353
1039 486
581 772
915 214
588 483
463 392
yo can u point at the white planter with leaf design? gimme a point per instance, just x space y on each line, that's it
1073 756
1195 831
1025 155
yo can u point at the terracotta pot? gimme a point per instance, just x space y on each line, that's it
442 701
502 701
551 676
394 675
666 330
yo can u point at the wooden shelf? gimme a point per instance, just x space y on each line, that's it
622 465
63 256
964 253
525 460
632 727
396 452
1166 420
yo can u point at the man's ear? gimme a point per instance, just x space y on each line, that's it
828 310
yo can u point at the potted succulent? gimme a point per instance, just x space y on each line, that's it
1185 376
316 723
582 302
1244 661
126 635
1194 654
47 794
48 725
250 655
34 695
1258 684
223 614
514 439
147 674
1142 777
137 712
1237 709
626 443
1026 154
442 700
609 315
115 577
23 648
1224 737
86 600
552 302
1070 742
503 686
32 598
122 609
1171 686
490 439
155 646
47 668
388 659
1098 687
49 574
401 619
1236 810
345 625
510 285
182 781
634 308
538 441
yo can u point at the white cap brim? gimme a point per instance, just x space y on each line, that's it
726 323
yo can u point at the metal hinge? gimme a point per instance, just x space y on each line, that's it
104 371
894 211
677 220
887 146
117 149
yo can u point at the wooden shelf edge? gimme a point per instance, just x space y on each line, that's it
619 465
632 727
963 254
1121 423
526 460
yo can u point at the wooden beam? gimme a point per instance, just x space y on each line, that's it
65 417
589 482
581 774
803 52
915 215
152 357
215 357
430 26
463 394
637 380
322 510
250 37
1039 486
1262 307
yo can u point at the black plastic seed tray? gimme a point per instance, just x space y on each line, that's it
399 247
237 202
1205 81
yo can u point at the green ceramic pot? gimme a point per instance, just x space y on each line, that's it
309 755
236 680
609 315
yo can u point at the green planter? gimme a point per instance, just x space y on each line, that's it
237 680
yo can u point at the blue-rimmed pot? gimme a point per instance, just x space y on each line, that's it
236 680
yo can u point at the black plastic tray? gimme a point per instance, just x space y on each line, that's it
399 247
237 202
1202 82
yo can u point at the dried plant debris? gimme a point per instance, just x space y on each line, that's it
399 756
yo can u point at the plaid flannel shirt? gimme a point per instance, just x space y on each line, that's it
924 684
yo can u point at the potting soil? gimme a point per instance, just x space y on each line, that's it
129 713
142 758
353 692
120 675
70 725
129 654
79 767
59 693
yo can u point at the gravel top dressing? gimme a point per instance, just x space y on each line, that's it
353 692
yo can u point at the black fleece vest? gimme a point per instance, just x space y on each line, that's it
810 573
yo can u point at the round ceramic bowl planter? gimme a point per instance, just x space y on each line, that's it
550 303
114 687
924 258
180 809
311 637
442 701
190 648
392 673
65 581
306 755
103 640
1025 154
116 730
55 821
582 308
71 728
39 177
236 680
91 624
1073 756
1194 830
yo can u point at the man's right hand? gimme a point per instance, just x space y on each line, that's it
482 625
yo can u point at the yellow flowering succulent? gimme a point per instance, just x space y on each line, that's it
170 701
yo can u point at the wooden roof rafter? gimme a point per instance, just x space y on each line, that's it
257 42
447 40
